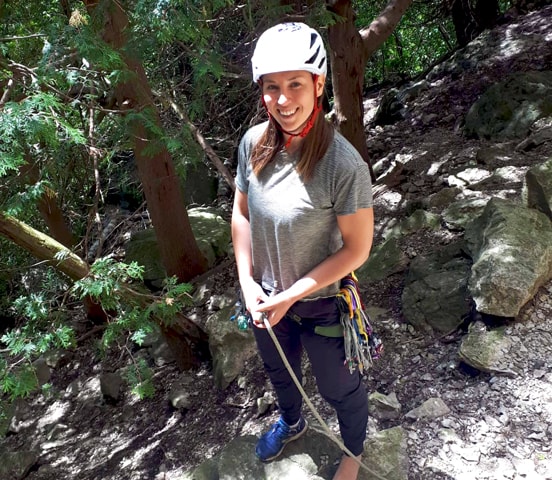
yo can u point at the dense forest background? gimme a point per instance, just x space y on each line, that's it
118 103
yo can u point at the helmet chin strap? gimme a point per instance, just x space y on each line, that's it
310 122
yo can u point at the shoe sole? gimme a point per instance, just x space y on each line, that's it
299 434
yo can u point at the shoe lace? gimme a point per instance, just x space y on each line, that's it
281 429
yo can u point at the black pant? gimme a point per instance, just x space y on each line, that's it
341 389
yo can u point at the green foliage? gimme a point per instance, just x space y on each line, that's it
134 311
140 376
19 382
418 41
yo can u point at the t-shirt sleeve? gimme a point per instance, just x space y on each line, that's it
242 182
353 187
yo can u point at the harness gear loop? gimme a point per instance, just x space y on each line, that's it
362 345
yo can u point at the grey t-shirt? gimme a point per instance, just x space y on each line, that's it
294 224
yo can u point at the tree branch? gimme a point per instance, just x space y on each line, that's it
43 247
379 30
6 94
217 162
22 37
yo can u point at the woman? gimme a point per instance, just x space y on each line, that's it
302 220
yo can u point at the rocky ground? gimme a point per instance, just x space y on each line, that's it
499 426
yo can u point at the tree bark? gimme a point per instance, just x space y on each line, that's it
463 21
48 206
177 245
179 251
59 230
43 247
185 338
350 50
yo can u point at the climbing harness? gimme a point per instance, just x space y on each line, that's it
362 344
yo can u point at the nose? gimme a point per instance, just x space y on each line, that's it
282 99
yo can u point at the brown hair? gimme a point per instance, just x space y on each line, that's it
313 147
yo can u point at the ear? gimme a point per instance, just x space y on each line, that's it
319 86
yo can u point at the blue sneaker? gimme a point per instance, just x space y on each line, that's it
271 444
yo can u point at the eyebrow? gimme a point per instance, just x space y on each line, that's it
297 77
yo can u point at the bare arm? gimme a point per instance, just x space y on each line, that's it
357 231
241 239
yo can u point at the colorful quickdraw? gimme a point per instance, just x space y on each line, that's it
241 315
362 344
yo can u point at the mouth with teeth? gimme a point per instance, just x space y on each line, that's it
287 113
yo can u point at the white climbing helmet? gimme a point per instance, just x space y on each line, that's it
289 46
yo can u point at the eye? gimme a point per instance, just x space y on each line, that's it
295 85
271 87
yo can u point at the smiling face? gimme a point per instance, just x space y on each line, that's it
290 97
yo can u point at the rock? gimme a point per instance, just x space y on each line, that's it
180 398
504 232
460 213
211 232
385 259
469 176
42 371
110 385
418 220
488 351
384 407
161 352
385 453
7 413
432 408
229 346
537 188
435 292
16 465
509 108
265 403
312 457
443 197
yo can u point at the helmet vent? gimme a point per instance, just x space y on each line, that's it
314 36
322 63
311 60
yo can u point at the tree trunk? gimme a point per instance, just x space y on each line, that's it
349 53
185 337
348 63
179 251
486 14
463 21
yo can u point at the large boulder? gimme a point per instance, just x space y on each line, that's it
511 247
212 234
509 108
435 295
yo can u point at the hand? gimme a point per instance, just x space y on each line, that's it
254 295
274 307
